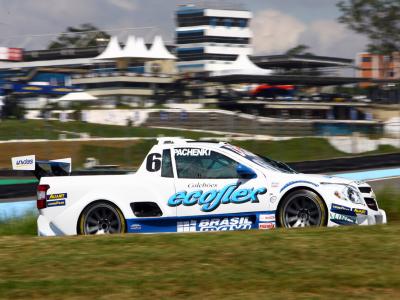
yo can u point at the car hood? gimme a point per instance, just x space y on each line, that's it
317 178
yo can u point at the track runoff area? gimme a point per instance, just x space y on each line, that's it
378 179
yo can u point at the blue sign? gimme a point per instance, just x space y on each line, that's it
39 89
212 199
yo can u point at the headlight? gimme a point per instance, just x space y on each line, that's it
351 194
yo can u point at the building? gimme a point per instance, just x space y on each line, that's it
305 64
45 74
207 39
380 67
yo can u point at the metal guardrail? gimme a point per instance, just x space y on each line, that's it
348 163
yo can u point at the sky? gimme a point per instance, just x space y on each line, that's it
278 25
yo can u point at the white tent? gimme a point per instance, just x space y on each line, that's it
242 66
135 48
76 96
159 51
130 47
113 50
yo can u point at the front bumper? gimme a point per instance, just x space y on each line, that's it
340 214
379 217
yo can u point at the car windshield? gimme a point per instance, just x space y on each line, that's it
260 160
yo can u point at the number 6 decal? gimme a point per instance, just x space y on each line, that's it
153 163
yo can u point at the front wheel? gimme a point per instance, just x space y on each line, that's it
302 208
101 218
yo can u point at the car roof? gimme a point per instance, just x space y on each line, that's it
189 143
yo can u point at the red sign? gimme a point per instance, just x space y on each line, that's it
266 226
10 54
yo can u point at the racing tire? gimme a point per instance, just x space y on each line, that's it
101 217
302 208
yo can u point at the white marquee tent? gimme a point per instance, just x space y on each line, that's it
159 51
135 48
112 51
76 96
242 66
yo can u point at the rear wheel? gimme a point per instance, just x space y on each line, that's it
302 208
101 218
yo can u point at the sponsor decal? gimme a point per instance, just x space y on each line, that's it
359 211
192 152
202 185
273 199
57 196
344 210
266 226
212 199
135 227
343 219
56 199
215 224
340 207
275 184
266 218
297 181
186 226
24 162
56 203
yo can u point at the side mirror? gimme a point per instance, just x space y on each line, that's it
245 172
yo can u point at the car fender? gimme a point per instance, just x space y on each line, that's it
294 185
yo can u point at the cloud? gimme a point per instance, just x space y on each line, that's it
124 4
275 32
23 20
328 37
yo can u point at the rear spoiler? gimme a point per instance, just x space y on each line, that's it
42 168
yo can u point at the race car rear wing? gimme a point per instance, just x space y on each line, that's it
42 168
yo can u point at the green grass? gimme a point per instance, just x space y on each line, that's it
318 263
37 129
300 149
289 151
389 200
128 156
20 226
337 263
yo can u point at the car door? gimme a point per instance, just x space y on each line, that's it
155 183
207 184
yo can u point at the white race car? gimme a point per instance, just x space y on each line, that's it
191 186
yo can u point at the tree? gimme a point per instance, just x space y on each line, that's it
376 19
11 108
302 50
84 35
299 50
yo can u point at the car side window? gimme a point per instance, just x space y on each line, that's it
204 164
166 167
